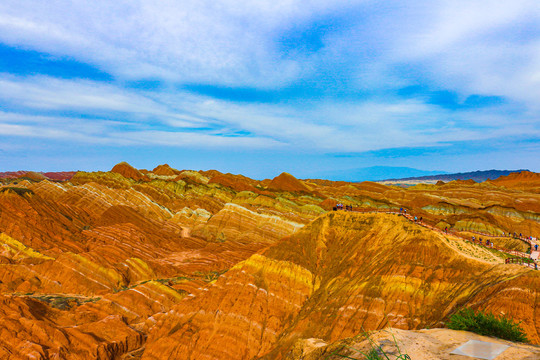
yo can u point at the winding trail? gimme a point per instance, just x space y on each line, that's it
533 264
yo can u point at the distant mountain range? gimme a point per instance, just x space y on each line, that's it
478 176
373 173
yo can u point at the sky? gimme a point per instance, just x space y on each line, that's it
259 87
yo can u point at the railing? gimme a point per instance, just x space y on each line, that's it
521 261
530 262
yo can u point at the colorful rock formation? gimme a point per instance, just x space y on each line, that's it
287 182
169 264
165 170
342 274
38 176
129 172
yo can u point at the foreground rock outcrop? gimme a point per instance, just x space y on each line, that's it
419 345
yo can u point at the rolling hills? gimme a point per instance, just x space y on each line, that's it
181 264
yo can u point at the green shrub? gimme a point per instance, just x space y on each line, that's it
375 352
487 324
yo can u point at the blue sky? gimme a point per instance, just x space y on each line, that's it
260 87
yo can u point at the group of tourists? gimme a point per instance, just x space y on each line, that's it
520 236
340 207
489 243
417 219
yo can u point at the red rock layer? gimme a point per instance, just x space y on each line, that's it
129 172
57 176
519 179
32 175
30 330
60 175
235 182
165 170
287 182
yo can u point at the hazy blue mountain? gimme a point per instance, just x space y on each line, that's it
373 173
478 176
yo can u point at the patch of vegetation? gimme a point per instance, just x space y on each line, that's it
375 352
498 253
64 302
122 288
174 280
16 190
209 276
221 237
487 324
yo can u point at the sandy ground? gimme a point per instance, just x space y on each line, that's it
433 344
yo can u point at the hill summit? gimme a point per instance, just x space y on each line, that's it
165 170
129 172
519 179
287 182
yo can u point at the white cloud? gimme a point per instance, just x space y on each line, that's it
181 119
103 132
219 41
43 92
195 140
487 47
471 47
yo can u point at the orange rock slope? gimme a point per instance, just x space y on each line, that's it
170 264
342 274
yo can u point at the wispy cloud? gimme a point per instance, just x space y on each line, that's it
110 114
316 76
187 41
